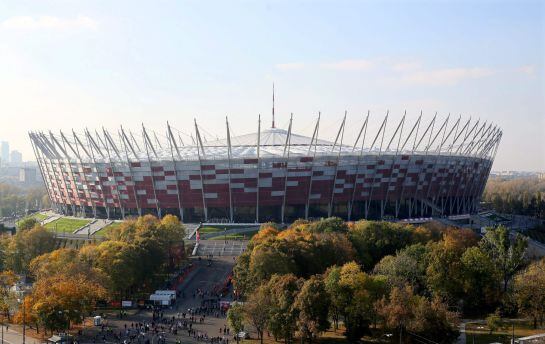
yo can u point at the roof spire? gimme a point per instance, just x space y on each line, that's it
273 109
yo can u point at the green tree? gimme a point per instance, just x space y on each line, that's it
328 225
283 316
243 280
507 254
27 223
399 270
358 294
480 280
268 259
312 304
444 273
494 322
332 279
374 240
25 245
257 310
235 319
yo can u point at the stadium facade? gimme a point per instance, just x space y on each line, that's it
433 168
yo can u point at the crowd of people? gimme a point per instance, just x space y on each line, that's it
173 324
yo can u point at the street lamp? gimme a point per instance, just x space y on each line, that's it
22 302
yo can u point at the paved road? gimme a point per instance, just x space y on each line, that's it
14 337
204 278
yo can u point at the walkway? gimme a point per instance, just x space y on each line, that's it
221 248
15 337
93 227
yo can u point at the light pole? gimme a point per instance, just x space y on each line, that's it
22 302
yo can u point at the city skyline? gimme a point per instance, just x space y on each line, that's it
78 65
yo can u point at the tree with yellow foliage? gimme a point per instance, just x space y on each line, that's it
57 302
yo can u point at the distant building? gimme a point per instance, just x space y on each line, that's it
16 158
514 174
27 175
4 152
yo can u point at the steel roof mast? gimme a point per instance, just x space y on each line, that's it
273 109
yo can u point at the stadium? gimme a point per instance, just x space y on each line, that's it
418 169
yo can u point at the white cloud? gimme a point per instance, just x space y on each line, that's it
49 22
349 65
527 69
445 76
405 66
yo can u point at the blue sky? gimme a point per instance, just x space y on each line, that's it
74 64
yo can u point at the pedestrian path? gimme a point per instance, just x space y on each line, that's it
50 219
221 248
93 227
191 229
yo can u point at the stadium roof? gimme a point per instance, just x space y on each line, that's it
269 137
471 138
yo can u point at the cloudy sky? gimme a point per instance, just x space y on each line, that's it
76 64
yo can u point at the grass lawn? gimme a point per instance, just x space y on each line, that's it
106 229
39 217
66 225
480 333
208 229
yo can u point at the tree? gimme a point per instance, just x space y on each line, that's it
27 223
117 260
432 319
480 280
235 319
444 273
507 254
400 269
283 315
358 293
332 278
530 291
243 280
7 280
26 245
257 310
328 225
54 262
403 310
58 301
268 259
374 240
493 321
312 304
397 309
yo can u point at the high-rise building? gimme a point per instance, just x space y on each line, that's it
16 158
4 152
